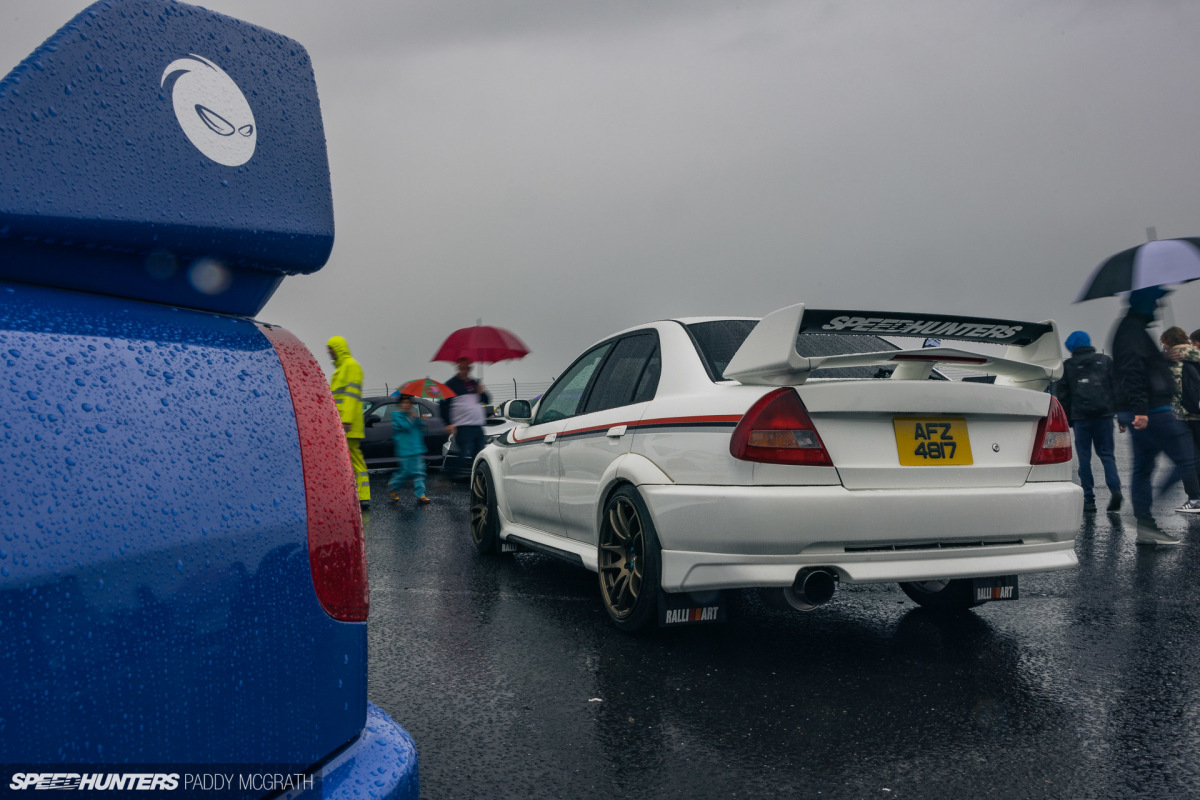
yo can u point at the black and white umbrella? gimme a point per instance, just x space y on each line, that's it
1163 262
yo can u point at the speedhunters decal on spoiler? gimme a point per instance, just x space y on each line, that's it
979 329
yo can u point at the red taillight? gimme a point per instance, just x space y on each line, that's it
946 359
336 553
777 430
1052 445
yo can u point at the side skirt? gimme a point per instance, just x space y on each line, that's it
569 550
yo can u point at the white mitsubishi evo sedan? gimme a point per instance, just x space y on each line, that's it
682 458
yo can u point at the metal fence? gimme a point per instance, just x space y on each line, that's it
499 391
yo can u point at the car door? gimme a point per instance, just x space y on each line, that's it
531 469
377 445
592 440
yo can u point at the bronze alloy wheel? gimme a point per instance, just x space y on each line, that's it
622 557
481 496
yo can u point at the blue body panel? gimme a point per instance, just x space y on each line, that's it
118 141
382 763
156 599
159 162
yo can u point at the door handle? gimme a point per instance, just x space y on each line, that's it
550 437
617 431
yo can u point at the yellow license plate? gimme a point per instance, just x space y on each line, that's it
932 441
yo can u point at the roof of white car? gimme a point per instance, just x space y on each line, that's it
694 320
680 320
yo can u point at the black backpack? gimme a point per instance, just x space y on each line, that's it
1091 387
1190 400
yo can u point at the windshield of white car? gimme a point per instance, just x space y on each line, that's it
716 342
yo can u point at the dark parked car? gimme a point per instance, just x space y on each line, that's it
377 434
183 582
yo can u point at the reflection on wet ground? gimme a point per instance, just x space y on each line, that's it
513 683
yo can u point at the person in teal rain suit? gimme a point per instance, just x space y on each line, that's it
408 436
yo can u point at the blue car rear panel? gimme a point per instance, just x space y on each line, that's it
157 605
156 600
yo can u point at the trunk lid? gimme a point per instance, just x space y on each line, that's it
868 425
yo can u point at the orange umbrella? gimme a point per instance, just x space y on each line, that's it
426 387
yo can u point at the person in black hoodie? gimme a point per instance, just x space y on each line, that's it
1088 394
1146 388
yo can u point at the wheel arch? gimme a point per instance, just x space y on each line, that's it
629 469
494 463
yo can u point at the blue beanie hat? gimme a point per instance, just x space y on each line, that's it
1077 340
1144 301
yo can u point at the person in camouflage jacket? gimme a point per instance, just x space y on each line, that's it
1179 348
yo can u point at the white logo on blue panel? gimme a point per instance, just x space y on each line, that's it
212 111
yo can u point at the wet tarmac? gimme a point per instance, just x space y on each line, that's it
513 683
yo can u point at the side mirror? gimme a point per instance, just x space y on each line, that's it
516 410
371 420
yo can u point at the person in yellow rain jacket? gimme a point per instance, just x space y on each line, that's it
347 384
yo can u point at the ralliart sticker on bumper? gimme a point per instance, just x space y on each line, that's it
1003 587
690 608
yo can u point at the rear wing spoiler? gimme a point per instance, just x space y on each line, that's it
161 152
768 357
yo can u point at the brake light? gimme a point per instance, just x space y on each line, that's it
946 359
1052 445
778 430
336 552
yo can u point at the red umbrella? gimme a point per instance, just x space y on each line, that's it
426 387
484 344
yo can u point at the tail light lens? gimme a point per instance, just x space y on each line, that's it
778 430
1052 445
336 552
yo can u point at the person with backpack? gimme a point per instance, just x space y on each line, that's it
1146 388
1185 366
1088 394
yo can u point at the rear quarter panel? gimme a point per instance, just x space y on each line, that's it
156 600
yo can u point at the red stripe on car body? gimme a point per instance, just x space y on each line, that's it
734 418
681 421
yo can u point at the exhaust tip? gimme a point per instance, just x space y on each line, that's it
811 588
814 587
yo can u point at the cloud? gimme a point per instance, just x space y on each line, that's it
569 169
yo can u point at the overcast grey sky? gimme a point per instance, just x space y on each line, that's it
566 169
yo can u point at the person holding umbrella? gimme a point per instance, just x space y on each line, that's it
1143 372
464 414
1146 388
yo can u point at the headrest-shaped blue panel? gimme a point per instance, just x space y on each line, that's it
160 151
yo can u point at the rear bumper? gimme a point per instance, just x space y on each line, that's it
717 537
380 763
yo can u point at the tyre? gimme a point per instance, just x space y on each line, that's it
629 562
485 520
942 595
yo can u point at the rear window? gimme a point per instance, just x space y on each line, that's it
717 341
